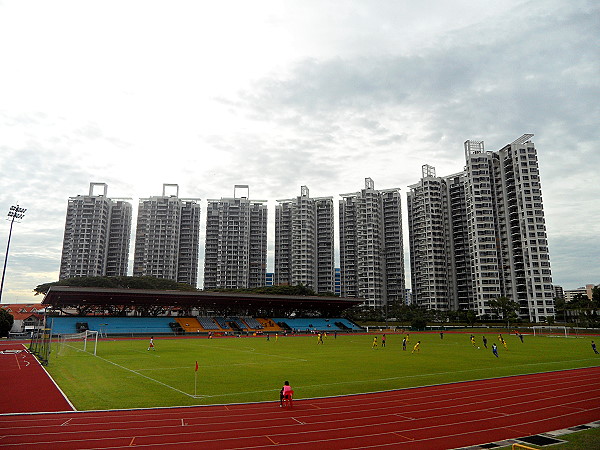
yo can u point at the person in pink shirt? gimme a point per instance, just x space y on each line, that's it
285 392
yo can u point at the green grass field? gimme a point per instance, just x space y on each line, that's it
236 370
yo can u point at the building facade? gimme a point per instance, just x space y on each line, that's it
481 234
439 250
97 235
371 249
168 237
570 294
236 242
304 242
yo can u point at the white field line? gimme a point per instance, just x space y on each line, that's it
371 380
145 376
254 352
366 381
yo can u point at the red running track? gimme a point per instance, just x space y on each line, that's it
25 386
435 417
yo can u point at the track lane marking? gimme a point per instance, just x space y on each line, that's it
574 412
358 416
272 441
405 437
463 405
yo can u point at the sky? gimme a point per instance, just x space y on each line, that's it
281 94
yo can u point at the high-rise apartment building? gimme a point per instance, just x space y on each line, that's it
97 235
371 251
235 254
168 237
304 242
438 238
481 234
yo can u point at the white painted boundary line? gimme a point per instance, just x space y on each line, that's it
144 376
162 410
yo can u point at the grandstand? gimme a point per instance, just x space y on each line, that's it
317 324
110 325
184 312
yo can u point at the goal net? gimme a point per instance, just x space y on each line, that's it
86 341
550 331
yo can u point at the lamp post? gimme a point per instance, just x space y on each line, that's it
14 213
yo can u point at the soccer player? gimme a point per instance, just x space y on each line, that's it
484 342
374 342
151 345
441 335
383 340
404 343
594 347
520 337
319 338
473 340
495 350
417 347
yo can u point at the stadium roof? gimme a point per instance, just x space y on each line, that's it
76 297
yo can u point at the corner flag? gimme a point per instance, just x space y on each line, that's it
195 378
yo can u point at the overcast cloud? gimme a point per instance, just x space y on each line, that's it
282 94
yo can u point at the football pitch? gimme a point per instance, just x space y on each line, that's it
124 374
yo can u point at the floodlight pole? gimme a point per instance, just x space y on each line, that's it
15 212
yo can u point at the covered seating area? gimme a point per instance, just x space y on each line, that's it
140 311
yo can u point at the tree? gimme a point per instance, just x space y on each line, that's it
6 322
506 308
585 310
471 316
117 282
561 306
596 294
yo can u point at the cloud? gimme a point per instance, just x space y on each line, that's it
319 94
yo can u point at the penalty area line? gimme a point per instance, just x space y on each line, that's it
146 377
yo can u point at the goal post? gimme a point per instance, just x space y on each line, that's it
550 331
86 341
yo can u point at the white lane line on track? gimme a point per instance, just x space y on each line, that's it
271 427
314 442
